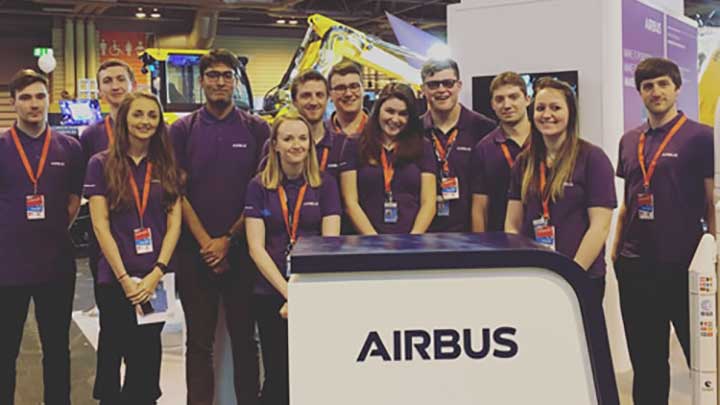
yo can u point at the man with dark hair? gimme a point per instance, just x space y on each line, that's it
453 130
493 157
115 79
218 147
668 167
41 172
347 94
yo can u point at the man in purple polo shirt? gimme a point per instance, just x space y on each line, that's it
347 94
667 194
40 184
493 157
115 79
453 130
219 148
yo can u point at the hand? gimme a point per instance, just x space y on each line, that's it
133 292
284 311
215 250
150 282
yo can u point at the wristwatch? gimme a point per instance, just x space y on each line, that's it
162 266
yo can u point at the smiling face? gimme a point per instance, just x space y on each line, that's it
292 142
311 100
442 90
393 117
31 104
346 92
510 104
114 84
659 94
551 114
143 118
218 83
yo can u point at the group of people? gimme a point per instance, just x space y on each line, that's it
220 197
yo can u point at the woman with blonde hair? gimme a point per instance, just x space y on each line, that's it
562 190
289 199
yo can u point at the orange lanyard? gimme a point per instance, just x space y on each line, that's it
23 157
292 232
442 153
388 172
546 200
508 156
360 128
109 131
647 174
324 159
141 206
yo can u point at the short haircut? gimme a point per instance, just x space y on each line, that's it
308 75
433 66
345 68
219 55
508 79
24 78
115 62
652 68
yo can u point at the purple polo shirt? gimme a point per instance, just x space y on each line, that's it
677 187
331 123
124 222
491 175
37 251
94 139
472 127
220 158
405 186
592 185
264 203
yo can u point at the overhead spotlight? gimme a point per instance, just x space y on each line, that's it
280 21
155 13
140 13
293 22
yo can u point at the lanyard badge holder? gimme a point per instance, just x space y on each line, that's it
292 220
646 200
390 207
449 185
142 235
544 232
34 203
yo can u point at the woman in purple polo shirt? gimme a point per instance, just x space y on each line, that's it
562 190
290 198
134 193
388 173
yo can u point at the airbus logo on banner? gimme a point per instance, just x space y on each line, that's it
440 344
653 26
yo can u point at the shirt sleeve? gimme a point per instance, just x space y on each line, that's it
77 166
86 143
428 162
707 153
620 172
178 133
254 205
264 156
329 197
600 181
516 175
478 185
261 131
95 183
348 159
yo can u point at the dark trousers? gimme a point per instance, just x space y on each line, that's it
200 293
139 346
652 295
53 308
274 346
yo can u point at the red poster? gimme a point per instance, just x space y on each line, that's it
126 46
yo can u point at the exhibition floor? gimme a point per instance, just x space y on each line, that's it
83 340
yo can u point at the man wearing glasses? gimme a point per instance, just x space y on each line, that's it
218 147
453 130
346 93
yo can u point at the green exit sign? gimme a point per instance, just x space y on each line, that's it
40 51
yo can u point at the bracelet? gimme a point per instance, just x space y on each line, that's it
162 266
122 277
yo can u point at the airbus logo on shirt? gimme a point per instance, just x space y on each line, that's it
239 146
464 149
311 204
57 164
669 154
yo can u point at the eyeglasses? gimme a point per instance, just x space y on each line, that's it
213 75
341 88
435 84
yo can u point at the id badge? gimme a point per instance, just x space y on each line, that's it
450 187
646 206
544 233
143 241
443 207
390 212
35 207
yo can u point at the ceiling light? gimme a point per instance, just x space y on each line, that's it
140 13
155 13
293 22
280 21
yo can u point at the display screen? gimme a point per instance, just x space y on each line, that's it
79 112
481 88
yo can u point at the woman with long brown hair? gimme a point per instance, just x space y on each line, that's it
134 194
388 174
562 189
